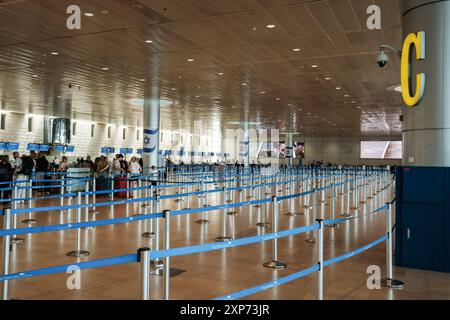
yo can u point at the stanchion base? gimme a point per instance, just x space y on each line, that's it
268 193
363 202
223 239
257 206
392 283
88 228
76 253
346 215
263 224
334 225
179 200
145 206
354 208
292 214
187 208
29 221
232 213
311 240
202 221
307 207
275 265
148 235
157 264
301 213
206 205
17 240
228 201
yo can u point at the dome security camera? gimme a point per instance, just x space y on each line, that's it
382 59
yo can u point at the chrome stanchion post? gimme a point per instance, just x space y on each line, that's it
224 236
78 252
166 215
204 218
390 282
61 192
151 233
346 214
144 259
112 193
86 202
6 251
275 264
14 239
30 219
313 239
333 205
321 266
94 195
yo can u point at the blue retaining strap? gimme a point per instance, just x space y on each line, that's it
269 285
355 252
229 244
62 269
340 220
76 225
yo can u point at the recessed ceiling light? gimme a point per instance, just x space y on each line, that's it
88 14
220 73
148 41
105 68
314 66
190 60
338 88
55 53
244 84
142 79
296 49
173 89
327 78
35 75
197 96
270 26
104 11
346 95
278 99
263 92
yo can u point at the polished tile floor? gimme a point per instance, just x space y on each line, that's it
213 274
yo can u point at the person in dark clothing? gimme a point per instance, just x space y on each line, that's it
6 174
41 169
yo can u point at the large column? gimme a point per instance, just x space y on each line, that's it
426 127
151 125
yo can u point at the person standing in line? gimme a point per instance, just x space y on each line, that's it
6 175
135 171
41 170
20 176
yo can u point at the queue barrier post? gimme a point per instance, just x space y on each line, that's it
204 203
313 239
30 219
224 236
78 252
144 259
333 205
321 266
275 264
15 239
6 252
86 202
151 234
61 192
166 215
389 281
94 195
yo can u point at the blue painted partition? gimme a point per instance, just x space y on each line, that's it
423 218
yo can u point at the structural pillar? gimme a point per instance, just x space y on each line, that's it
426 127
151 130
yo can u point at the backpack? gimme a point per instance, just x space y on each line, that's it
27 165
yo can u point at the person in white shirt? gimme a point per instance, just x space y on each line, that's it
135 170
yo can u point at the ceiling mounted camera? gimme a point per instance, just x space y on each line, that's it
383 58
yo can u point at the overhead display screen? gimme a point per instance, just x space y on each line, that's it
381 150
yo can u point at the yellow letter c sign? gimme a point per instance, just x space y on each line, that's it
419 42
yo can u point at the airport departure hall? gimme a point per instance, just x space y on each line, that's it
245 150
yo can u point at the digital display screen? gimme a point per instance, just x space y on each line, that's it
2 146
44 147
381 150
70 148
33 147
60 148
104 150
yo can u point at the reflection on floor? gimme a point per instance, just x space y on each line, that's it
212 274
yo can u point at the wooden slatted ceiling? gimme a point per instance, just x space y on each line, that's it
228 37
